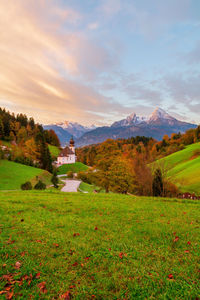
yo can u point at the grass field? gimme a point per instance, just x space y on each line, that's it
12 175
77 167
54 151
98 246
184 169
89 188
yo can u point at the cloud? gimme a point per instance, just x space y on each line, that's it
41 61
193 57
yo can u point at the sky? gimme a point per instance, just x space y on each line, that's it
97 61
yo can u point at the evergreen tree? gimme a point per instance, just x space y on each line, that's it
157 185
1 129
54 179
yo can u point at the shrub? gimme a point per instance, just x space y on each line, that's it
70 174
26 186
40 185
54 179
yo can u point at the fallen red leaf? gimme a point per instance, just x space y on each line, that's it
96 228
189 243
37 275
38 241
17 265
76 234
121 254
170 276
187 251
75 264
109 249
9 295
2 292
176 239
56 245
66 296
72 286
42 287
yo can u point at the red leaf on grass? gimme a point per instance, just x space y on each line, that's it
9 241
37 275
109 249
189 243
72 286
42 287
17 265
75 264
96 228
2 292
176 239
9 295
56 245
66 296
170 276
38 241
187 251
76 234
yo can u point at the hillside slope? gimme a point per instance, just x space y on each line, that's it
184 168
12 175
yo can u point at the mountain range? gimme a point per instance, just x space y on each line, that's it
156 125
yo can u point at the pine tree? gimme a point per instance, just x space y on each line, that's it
1 129
157 185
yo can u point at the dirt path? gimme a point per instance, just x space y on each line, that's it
70 185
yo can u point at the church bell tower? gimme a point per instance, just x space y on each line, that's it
72 144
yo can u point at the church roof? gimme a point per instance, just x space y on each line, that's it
65 152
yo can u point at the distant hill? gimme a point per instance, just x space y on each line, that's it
184 168
12 175
156 126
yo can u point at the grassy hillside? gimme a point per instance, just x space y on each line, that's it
184 168
86 246
89 188
77 167
54 151
12 175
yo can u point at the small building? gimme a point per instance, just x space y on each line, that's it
67 155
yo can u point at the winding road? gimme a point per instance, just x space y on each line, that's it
70 185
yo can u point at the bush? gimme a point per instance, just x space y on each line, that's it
54 179
26 186
70 174
40 185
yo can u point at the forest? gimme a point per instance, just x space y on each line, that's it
131 165
25 141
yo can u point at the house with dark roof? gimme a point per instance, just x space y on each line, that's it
67 155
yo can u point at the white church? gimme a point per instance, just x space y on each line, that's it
67 155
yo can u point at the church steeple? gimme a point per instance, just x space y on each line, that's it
72 144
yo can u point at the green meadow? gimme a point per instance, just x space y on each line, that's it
54 151
98 246
12 175
184 168
77 167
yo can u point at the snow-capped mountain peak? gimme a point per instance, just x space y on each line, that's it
159 114
132 119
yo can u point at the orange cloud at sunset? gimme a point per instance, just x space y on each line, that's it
39 61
